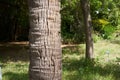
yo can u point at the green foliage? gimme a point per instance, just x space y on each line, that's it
105 20
105 16
108 31
72 25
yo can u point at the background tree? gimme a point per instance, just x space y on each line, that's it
13 20
88 28
45 41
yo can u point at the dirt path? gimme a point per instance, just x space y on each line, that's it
14 51
18 50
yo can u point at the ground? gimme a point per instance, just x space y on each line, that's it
14 60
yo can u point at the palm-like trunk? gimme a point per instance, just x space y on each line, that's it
45 41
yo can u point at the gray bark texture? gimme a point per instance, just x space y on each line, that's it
45 40
88 28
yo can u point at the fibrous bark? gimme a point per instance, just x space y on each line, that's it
45 41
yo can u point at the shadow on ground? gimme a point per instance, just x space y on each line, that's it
13 52
15 76
86 70
116 42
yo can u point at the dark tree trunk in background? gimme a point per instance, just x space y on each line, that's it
88 28
45 41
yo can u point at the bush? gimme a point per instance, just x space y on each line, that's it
96 37
108 30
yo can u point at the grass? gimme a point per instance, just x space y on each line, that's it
105 67
75 67
15 71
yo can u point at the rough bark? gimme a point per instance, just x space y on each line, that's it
45 40
88 28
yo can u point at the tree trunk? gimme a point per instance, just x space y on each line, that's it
45 40
88 28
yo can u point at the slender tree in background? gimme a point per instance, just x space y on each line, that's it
88 28
45 40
